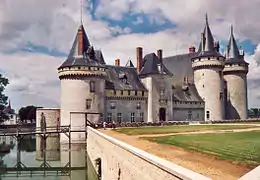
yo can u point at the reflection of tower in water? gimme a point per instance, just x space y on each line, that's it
77 157
47 120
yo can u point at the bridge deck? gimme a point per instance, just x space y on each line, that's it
47 130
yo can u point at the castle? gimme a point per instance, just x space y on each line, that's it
197 86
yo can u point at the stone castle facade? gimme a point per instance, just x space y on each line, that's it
200 85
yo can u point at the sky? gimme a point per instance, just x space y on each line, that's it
36 36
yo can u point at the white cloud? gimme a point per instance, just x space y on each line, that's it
33 77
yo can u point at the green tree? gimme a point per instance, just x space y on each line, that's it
3 98
27 113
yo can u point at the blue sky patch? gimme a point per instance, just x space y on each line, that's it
29 47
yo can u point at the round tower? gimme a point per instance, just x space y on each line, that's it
82 78
235 75
208 77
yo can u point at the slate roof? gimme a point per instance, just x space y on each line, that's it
186 93
208 49
233 54
90 56
180 66
123 78
150 66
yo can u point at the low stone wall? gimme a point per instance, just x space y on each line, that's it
122 161
252 175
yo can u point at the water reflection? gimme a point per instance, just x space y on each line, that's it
44 160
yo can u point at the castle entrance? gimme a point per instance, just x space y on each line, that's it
162 114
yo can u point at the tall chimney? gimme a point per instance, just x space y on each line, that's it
192 49
159 54
80 41
139 58
117 62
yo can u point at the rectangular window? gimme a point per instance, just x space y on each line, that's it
112 105
101 117
135 93
221 97
109 117
142 117
129 92
207 115
88 103
132 117
92 86
138 105
142 93
189 115
122 92
114 92
119 117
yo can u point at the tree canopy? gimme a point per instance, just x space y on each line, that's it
27 113
3 99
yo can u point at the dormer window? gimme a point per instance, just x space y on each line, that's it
159 67
122 76
92 86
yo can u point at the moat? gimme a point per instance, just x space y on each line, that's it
27 162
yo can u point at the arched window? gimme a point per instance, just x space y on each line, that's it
92 86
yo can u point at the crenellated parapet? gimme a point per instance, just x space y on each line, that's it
235 68
208 62
77 72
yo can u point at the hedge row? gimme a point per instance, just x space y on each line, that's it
139 124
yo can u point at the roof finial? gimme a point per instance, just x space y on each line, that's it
231 29
206 17
81 11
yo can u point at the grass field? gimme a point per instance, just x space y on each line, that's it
241 147
177 129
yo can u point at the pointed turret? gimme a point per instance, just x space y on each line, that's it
233 55
207 47
233 51
82 53
208 38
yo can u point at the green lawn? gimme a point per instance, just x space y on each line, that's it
241 147
178 128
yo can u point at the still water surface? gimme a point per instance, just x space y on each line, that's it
29 154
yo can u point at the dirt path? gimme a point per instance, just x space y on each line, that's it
200 132
203 164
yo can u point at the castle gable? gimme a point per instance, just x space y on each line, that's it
153 65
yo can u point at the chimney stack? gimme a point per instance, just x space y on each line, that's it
80 41
139 58
192 49
159 54
117 62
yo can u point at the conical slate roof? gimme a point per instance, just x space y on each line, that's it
233 55
82 53
207 48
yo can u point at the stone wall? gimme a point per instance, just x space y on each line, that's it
252 175
126 107
122 161
52 142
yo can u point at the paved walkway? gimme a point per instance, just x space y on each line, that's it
207 165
